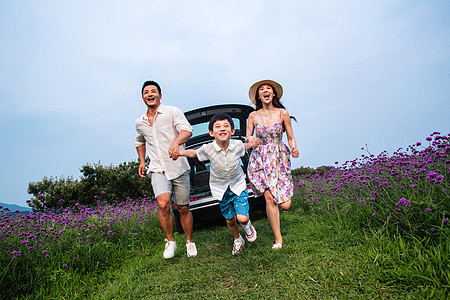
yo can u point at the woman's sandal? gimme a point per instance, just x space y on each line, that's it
277 246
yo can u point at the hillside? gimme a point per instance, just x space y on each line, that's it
14 207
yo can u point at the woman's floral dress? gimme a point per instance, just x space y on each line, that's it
269 166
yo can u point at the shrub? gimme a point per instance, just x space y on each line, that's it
98 182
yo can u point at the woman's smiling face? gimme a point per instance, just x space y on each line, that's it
266 93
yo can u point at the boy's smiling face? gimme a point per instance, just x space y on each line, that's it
221 131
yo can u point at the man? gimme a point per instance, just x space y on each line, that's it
160 132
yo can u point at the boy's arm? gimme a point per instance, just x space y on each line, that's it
191 153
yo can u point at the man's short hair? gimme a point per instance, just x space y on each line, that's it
150 82
220 117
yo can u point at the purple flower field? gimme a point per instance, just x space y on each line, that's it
80 238
23 234
407 193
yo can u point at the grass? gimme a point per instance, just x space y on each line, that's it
319 260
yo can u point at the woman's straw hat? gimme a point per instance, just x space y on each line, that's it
252 92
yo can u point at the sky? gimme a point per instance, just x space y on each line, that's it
353 73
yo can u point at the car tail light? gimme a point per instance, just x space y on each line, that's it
193 199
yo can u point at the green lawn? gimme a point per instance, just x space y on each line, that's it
318 260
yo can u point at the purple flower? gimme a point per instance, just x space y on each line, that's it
44 251
374 213
439 179
431 175
432 229
403 202
427 209
64 266
445 220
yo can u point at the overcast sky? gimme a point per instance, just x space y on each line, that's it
353 73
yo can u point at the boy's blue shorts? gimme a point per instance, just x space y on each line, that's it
231 204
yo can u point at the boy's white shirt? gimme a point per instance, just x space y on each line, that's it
225 167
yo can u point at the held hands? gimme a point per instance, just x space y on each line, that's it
253 141
295 153
174 151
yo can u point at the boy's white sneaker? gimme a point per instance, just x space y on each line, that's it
251 235
191 249
169 252
237 245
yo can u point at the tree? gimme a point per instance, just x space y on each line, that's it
97 183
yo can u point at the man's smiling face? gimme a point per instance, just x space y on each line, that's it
151 96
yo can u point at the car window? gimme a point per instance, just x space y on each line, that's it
202 168
202 128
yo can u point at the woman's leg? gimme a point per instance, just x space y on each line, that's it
285 206
273 215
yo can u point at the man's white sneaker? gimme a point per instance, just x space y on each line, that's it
169 252
191 249
237 245
251 236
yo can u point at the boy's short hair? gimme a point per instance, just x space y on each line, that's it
150 82
220 117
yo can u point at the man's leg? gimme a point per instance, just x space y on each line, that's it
164 215
181 189
187 221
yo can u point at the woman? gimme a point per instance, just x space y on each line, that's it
269 167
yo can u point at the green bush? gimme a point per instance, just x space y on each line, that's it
311 171
110 183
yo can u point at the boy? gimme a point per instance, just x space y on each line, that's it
227 179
